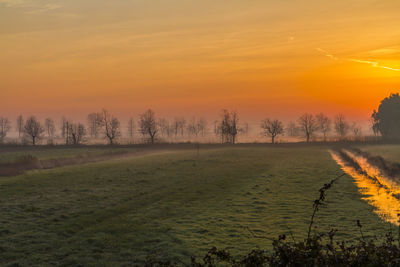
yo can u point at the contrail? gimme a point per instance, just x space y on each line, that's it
326 53
372 63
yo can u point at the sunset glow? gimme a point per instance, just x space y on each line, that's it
199 132
262 58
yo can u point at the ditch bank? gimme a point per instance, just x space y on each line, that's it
377 179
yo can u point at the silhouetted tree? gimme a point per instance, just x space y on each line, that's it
77 133
192 127
228 127
179 126
202 127
33 129
95 122
308 125
111 126
217 128
66 130
196 127
341 126
131 127
5 126
148 126
374 124
387 119
74 133
272 128
324 124
20 125
64 127
291 129
165 127
234 129
50 128
357 131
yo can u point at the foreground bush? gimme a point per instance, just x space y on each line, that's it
318 249
311 252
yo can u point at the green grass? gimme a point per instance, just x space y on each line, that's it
389 152
174 205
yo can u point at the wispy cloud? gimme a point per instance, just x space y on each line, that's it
33 8
327 54
384 51
44 8
15 3
371 63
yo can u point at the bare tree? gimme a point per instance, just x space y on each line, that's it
5 127
64 127
196 127
357 131
272 128
77 133
375 125
111 126
225 127
131 127
228 127
202 127
308 125
179 126
217 128
33 129
74 133
20 125
192 129
50 128
164 127
148 126
324 124
95 122
66 130
291 129
341 126
234 126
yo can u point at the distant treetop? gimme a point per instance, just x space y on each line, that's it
386 120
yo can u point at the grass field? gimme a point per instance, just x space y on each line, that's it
388 152
173 204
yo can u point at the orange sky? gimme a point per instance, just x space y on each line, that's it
263 58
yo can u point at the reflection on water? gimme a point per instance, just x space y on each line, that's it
376 188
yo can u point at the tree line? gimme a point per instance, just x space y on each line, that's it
308 125
105 125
